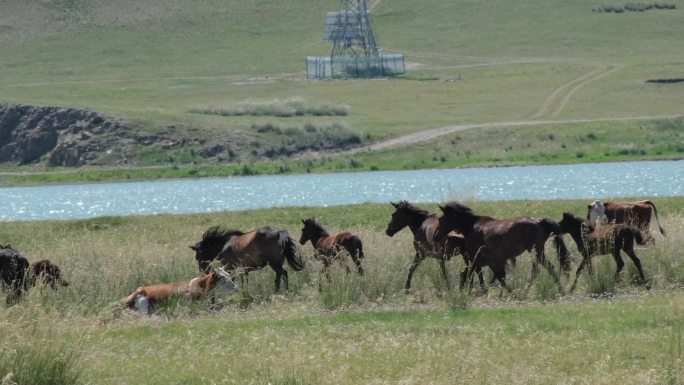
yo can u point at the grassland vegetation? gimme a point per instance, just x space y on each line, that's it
154 64
357 328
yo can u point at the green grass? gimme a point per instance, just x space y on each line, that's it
468 64
357 329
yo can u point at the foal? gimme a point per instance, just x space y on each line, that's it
607 239
145 298
329 248
47 272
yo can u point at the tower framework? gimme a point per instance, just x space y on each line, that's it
355 52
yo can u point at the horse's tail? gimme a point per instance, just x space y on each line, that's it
290 250
638 236
655 211
561 250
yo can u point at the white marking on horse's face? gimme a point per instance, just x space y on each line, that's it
226 284
142 304
597 213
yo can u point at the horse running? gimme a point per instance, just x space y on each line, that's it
247 251
423 224
46 272
13 268
329 248
146 298
493 242
607 239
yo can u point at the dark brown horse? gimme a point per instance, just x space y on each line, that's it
328 248
13 267
423 224
48 273
493 242
606 239
246 251
146 298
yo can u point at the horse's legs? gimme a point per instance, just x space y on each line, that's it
280 274
500 275
417 260
637 262
541 258
356 256
618 261
577 273
442 266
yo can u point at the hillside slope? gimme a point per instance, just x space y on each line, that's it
156 63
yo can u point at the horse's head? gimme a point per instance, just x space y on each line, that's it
310 231
203 257
400 218
596 213
454 218
570 223
224 282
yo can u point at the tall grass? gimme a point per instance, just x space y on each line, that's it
32 353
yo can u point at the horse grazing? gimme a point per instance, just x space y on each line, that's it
608 239
247 251
423 224
146 298
493 242
48 273
328 248
630 213
13 268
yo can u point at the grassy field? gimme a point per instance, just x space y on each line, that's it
357 329
154 63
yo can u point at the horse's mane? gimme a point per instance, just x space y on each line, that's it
317 227
458 209
406 206
218 233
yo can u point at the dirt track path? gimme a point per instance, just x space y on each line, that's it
426 135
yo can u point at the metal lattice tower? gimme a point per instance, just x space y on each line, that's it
350 31
355 51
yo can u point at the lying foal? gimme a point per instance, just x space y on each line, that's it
145 298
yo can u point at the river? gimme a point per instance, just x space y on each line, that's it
588 181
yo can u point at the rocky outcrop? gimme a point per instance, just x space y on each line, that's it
61 136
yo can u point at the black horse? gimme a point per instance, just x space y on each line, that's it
493 242
246 251
423 225
13 267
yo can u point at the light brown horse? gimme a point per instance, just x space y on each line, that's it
329 248
247 251
606 239
630 213
423 224
493 242
146 298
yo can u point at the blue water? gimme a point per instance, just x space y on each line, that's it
589 181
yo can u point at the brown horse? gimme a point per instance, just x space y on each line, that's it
630 213
493 242
328 248
146 298
48 273
247 251
13 268
423 224
606 239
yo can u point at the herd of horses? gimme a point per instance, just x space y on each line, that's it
482 241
